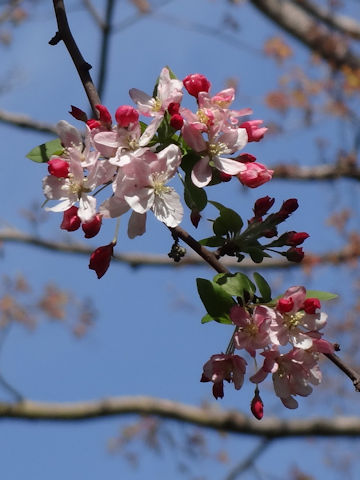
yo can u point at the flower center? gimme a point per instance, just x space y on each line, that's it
251 330
215 149
159 184
156 107
294 319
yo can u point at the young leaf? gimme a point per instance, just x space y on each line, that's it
43 152
320 295
216 300
263 287
236 284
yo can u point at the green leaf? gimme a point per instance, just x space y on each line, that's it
43 152
320 295
263 287
236 284
213 241
216 300
225 319
195 197
228 221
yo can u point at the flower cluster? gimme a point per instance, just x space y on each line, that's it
138 160
294 321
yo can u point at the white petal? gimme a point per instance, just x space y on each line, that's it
69 135
87 207
142 200
136 225
227 165
168 209
113 207
201 173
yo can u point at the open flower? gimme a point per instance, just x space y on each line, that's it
222 367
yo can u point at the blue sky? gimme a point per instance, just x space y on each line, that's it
147 338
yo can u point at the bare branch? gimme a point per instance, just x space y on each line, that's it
209 417
346 25
249 460
301 25
104 50
82 67
23 121
317 172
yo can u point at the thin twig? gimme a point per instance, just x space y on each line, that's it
249 460
104 50
82 67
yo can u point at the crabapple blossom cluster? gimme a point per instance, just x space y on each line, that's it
288 334
137 160
134 162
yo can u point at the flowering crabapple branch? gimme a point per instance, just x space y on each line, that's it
137 161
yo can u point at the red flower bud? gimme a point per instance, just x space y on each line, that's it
289 206
245 158
92 227
285 305
100 259
176 121
257 406
263 205
225 177
125 115
58 167
196 83
296 238
195 217
173 108
92 124
311 305
295 254
105 117
71 221
78 114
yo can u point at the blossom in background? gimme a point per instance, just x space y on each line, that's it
222 367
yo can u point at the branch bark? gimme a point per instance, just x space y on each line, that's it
301 25
209 417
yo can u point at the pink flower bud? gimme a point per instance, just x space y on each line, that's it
196 83
125 115
92 227
78 114
176 121
71 221
296 238
105 117
255 134
263 205
255 175
257 406
295 254
100 259
173 108
311 305
58 167
195 217
285 305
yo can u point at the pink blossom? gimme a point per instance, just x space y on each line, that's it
292 324
169 91
254 131
253 331
255 174
222 367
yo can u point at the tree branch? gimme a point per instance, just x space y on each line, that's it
302 26
345 25
23 121
82 67
209 417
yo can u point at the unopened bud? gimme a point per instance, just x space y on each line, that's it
311 305
92 227
71 221
263 205
58 167
105 117
100 259
285 305
196 83
176 121
296 238
225 177
195 217
257 406
295 254
125 115
245 158
173 108
78 114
